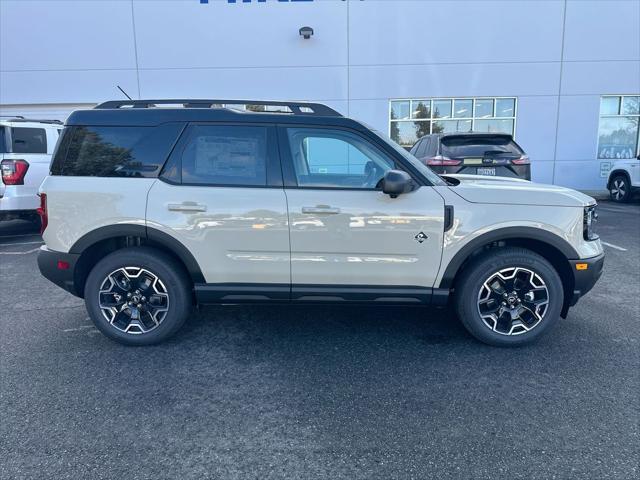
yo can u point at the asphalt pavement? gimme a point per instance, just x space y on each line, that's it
321 392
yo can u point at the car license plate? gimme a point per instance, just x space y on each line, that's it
486 171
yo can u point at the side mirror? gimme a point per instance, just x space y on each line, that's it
396 182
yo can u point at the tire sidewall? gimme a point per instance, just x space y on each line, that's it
627 188
161 265
481 270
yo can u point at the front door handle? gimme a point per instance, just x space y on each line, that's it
187 207
321 209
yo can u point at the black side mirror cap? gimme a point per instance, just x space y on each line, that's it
396 182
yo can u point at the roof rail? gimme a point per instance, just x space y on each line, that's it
296 108
20 118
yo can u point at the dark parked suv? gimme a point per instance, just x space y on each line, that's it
493 154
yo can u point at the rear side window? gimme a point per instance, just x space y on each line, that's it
28 140
479 146
114 151
225 155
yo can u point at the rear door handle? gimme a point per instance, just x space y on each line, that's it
187 207
321 209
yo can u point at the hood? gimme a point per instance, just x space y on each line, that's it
514 191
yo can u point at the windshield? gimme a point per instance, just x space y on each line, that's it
417 164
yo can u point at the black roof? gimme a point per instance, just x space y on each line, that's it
469 134
151 113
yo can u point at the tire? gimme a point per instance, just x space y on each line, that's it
532 275
620 189
148 271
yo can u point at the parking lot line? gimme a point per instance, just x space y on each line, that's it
616 247
21 243
20 253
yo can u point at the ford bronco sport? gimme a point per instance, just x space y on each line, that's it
154 205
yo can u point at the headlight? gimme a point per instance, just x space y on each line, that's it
590 218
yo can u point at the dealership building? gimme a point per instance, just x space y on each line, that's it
563 76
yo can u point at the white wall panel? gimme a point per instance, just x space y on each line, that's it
409 31
88 86
177 34
602 30
542 171
578 127
327 83
454 80
65 35
373 112
582 174
598 78
536 126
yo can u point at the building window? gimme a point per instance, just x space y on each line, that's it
618 132
412 119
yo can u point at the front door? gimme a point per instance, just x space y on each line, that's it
349 240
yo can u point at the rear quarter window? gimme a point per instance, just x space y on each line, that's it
114 151
28 140
479 146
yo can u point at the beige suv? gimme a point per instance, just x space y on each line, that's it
148 210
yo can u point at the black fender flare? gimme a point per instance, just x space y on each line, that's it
506 233
151 235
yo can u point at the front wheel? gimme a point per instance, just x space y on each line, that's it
138 296
509 297
620 189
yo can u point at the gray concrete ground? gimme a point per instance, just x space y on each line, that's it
292 392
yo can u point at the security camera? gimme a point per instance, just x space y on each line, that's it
306 32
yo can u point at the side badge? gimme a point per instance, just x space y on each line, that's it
421 237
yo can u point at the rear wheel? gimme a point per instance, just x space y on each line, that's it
509 297
620 189
138 296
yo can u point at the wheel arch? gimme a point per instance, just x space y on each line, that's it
99 242
553 248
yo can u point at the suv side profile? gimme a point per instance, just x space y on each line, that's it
149 210
25 155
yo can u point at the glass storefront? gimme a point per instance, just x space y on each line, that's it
618 131
412 119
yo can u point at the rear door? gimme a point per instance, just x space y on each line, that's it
221 196
349 240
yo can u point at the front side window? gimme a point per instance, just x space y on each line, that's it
28 140
226 155
410 120
328 158
618 131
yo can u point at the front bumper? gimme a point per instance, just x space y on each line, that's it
586 273
59 268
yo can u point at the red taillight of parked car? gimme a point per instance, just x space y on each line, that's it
42 211
523 160
13 171
439 161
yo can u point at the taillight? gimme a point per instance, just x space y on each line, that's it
439 160
13 171
42 211
523 160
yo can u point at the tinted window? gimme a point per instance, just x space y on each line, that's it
114 151
3 145
225 155
335 158
28 140
479 146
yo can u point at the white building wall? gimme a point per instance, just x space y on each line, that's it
557 57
